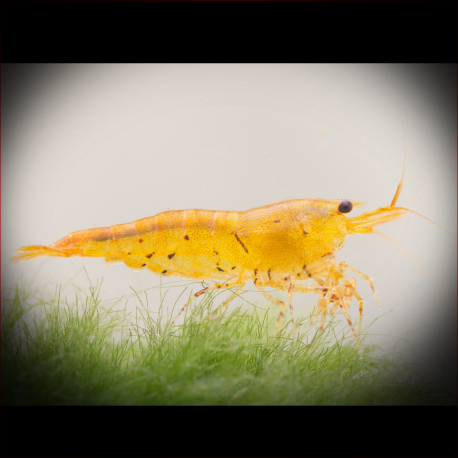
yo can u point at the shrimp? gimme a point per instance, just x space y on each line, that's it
277 245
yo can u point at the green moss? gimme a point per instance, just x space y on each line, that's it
82 353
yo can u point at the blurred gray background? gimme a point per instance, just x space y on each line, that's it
95 145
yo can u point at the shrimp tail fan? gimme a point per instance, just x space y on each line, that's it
34 251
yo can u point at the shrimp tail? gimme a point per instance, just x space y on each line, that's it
89 242
34 251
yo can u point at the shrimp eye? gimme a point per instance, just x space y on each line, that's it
345 206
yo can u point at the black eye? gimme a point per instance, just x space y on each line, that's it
345 207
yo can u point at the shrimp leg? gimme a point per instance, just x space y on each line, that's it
342 266
360 300
224 305
207 289
322 303
276 302
290 300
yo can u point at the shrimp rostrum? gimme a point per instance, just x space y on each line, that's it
279 245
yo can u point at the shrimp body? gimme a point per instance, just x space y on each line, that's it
277 245
275 240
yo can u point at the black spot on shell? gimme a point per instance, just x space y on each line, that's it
186 237
215 252
234 267
143 265
170 256
221 270
140 240
164 271
149 255
241 243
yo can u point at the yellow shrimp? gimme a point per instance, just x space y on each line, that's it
276 246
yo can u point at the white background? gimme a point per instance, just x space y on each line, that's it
96 145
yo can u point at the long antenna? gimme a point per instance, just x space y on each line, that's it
427 219
412 259
426 184
401 183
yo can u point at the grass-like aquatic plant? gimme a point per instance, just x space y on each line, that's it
77 352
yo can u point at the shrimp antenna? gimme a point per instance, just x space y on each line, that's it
430 181
427 219
412 258
401 183
398 191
